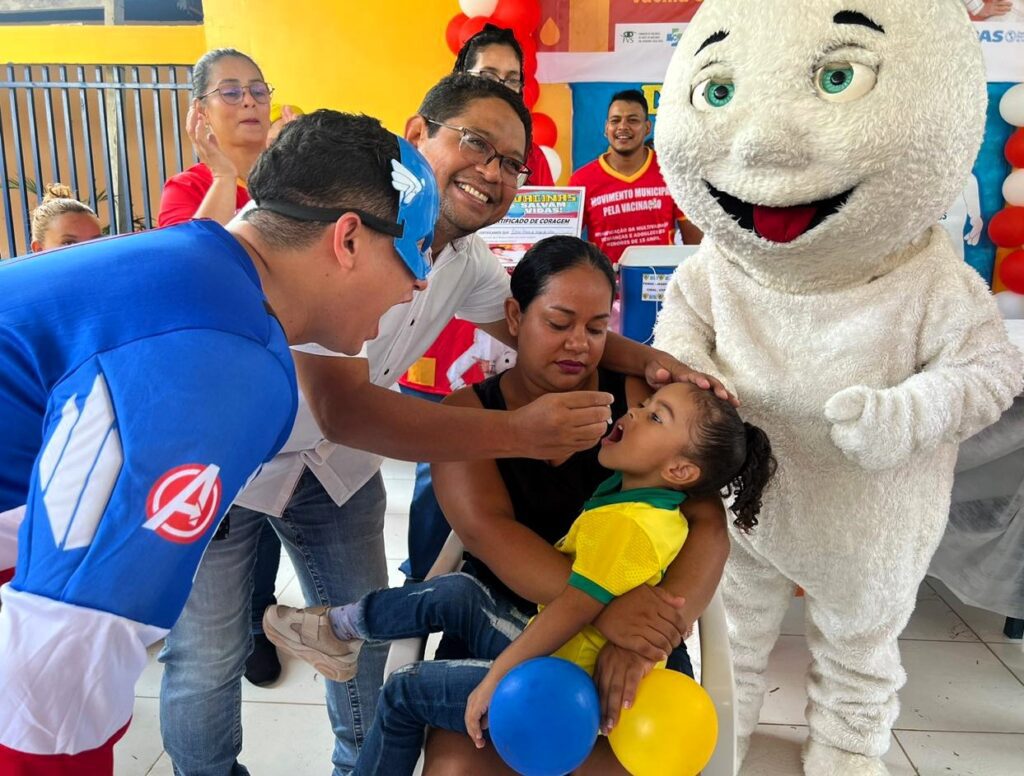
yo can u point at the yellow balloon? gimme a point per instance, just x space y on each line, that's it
671 729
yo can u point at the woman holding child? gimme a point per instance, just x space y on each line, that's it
511 512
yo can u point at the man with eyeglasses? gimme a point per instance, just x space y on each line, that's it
627 201
494 54
327 491
143 381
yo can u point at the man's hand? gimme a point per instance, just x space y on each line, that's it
559 424
647 620
663 369
617 674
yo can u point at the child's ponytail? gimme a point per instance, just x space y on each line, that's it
752 478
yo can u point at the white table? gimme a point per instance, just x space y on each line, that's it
981 557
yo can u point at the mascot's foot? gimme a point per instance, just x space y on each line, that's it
742 746
822 760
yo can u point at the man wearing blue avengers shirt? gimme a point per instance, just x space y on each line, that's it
143 380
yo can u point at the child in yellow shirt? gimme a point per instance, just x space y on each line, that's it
681 440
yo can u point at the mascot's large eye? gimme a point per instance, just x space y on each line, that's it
844 81
712 94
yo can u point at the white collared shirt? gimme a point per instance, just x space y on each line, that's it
466 281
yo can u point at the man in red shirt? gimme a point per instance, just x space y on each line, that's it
627 201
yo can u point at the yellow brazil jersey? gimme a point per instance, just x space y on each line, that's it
621 540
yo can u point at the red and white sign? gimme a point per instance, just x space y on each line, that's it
183 502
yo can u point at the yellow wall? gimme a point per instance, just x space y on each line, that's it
374 57
96 44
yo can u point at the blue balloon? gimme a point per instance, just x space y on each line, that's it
544 717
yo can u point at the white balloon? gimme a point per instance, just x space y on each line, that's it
1011 107
478 7
1013 188
554 162
1010 304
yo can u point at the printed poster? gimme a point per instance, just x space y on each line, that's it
536 212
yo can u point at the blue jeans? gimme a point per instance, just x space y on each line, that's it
338 553
431 693
428 528
264 574
434 693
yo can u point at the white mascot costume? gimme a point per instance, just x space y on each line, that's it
817 143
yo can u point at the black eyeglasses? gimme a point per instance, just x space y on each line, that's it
479 151
233 92
513 82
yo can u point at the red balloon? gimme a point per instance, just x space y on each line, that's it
1011 272
528 45
523 16
531 93
471 27
545 132
453 30
530 62
1007 227
1015 148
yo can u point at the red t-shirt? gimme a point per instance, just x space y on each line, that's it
622 210
184 192
430 373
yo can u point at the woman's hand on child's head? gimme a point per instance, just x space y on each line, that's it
617 675
663 369
646 620
476 710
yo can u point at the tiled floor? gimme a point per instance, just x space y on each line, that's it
962 708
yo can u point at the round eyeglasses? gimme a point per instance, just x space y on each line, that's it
479 151
513 82
233 92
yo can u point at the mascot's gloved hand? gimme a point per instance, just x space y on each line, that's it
873 428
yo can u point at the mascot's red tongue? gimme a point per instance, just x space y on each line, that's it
783 224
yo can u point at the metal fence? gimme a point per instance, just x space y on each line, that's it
112 133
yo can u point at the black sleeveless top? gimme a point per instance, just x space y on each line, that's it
546 499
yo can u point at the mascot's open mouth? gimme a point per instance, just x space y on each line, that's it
779 224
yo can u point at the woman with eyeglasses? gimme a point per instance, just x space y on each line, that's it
228 124
495 54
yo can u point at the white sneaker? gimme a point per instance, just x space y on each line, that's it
307 635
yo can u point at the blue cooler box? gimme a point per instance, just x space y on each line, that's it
644 271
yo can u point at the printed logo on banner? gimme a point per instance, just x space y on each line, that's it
183 502
659 35
1011 33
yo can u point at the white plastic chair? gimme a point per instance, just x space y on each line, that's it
715 663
